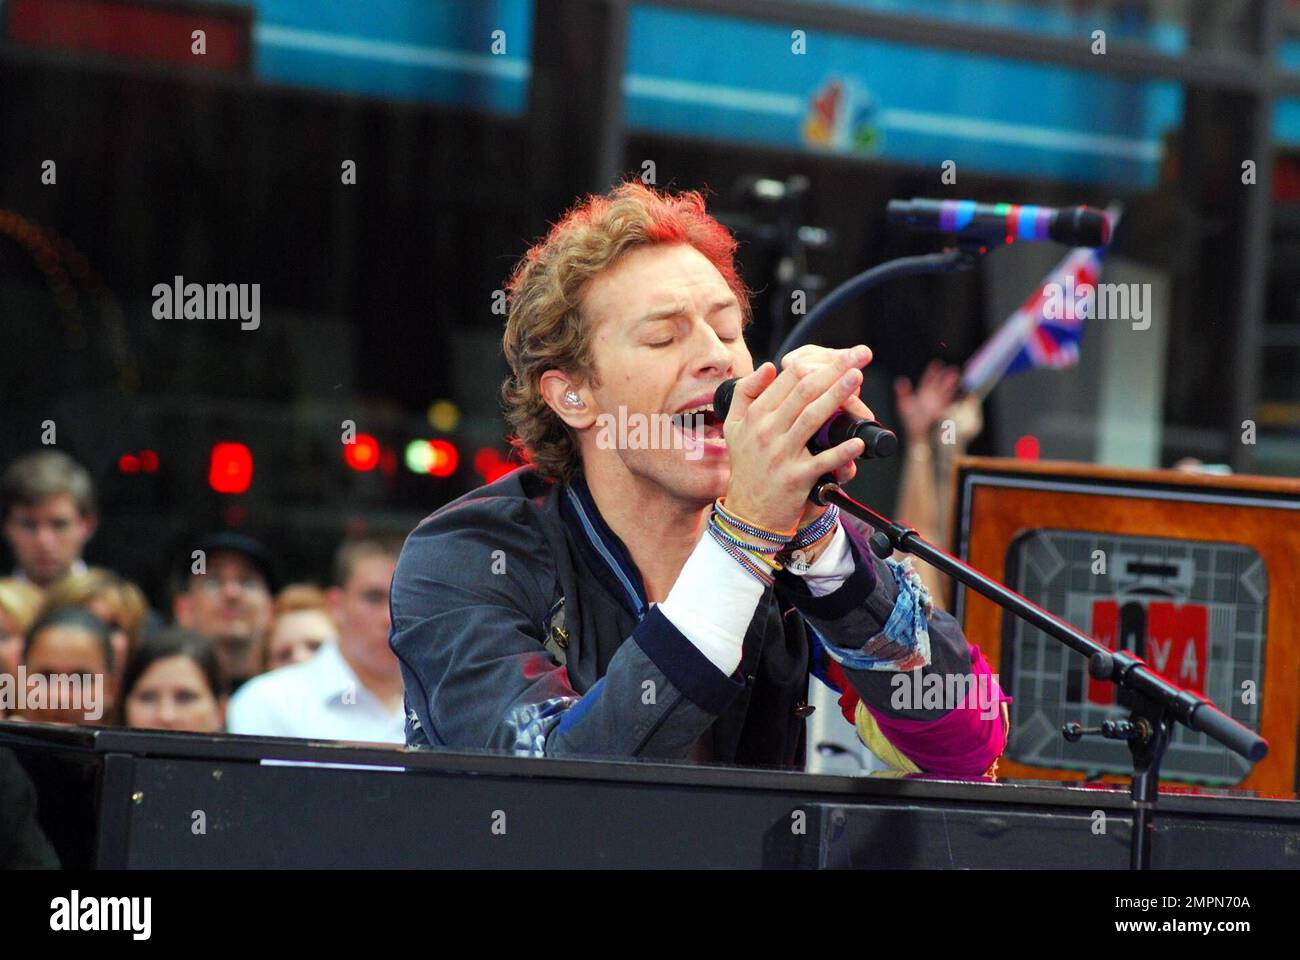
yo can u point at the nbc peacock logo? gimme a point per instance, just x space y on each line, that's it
841 116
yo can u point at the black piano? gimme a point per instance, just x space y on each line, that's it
110 798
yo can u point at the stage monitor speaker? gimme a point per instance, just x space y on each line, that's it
1195 574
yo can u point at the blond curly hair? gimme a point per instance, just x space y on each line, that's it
544 327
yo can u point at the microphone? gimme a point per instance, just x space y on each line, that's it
880 441
996 223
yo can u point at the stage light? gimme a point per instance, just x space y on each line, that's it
146 461
1027 447
490 465
362 453
230 469
419 456
444 415
445 458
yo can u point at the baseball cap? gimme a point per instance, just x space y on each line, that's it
228 541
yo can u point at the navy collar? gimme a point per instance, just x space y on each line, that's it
606 554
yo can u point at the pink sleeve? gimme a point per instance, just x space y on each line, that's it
965 741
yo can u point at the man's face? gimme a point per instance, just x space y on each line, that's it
231 604
361 609
47 537
666 330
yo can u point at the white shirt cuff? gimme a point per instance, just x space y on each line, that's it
832 567
713 602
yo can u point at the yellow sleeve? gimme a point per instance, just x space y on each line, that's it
870 734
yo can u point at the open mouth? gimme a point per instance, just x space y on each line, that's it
700 424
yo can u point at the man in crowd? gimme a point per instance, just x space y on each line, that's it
351 690
47 502
223 590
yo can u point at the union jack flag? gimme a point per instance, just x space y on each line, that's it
1045 330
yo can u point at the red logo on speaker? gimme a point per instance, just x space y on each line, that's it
1171 638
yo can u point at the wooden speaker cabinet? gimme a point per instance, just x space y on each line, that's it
1196 574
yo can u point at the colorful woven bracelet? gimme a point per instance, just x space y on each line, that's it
734 536
764 555
762 533
744 559
816 530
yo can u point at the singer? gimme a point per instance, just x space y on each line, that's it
643 602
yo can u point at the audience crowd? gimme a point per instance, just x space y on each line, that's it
240 652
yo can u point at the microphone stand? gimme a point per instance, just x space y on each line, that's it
962 257
1157 703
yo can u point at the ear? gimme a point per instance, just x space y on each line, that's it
556 386
334 596
183 610
89 525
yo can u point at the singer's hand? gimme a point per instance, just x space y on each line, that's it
771 419
807 358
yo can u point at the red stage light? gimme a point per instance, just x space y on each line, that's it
485 458
128 463
362 453
1027 447
490 465
148 461
445 458
231 468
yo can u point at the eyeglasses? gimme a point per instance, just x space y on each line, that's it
249 584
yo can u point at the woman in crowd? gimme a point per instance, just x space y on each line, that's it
116 601
301 623
71 649
173 682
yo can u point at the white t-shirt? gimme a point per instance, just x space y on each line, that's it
318 699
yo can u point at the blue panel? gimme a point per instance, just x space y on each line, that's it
1034 18
714 77
435 50
1286 113
737 80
